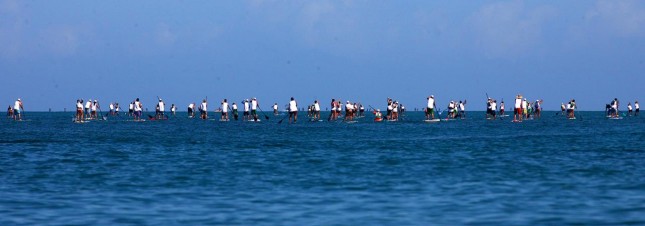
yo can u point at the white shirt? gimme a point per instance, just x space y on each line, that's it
16 105
395 108
493 106
79 105
254 104
636 106
293 106
111 107
234 106
349 107
246 106
389 107
224 107
431 103
131 106
275 107
629 107
204 106
94 106
162 107
524 104
137 106
462 107
173 108
451 105
518 103
88 104
501 107
317 107
191 106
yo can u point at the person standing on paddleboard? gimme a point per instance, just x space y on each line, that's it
137 108
235 115
173 109
246 110
637 107
430 108
225 110
493 109
162 109
501 108
191 110
349 111
88 105
316 110
18 108
111 106
275 109
203 109
94 107
517 114
254 109
538 108
629 109
614 108
131 109
293 110
79 110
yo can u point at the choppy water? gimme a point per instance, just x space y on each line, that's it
189 171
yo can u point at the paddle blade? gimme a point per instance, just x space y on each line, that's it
266 117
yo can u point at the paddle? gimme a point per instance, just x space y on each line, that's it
265 115
287 115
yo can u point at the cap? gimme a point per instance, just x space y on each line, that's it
431 96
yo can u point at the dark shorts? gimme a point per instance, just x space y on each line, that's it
253 112
137 113
293 113
638 109
246 113
430 110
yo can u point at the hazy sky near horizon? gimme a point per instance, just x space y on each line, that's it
54 52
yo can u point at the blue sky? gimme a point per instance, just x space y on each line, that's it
54 52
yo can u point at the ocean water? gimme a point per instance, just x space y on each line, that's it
194 172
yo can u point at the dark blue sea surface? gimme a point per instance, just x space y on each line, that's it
194 172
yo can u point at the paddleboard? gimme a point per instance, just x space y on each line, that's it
572 118
516 121
616 118
432 120
80 122
253 120
351 121
392 120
